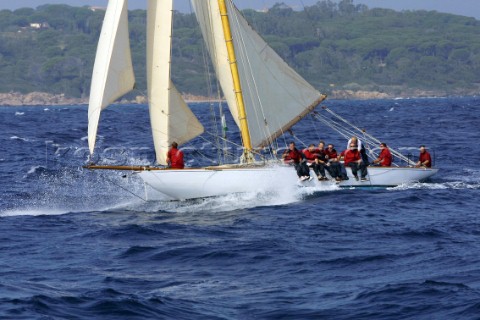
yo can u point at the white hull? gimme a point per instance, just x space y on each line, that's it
200 183
389 176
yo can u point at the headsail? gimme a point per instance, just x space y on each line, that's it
208 16
170 117
113 71
276 97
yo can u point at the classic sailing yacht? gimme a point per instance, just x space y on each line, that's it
264 95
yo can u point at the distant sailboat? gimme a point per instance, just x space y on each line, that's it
264 95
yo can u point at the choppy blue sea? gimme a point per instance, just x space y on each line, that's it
76 244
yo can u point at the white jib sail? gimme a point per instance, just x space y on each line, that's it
276 97
113 71
171 119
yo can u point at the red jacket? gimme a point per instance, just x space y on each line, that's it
310 156
175 158
321 155
294 156
424 157
351 156
331 154
386 158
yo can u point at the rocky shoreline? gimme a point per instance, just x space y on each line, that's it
16 99
48 99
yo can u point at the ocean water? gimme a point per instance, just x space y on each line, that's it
76 244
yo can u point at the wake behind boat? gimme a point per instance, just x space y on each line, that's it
264 95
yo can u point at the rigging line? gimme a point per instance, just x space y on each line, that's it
125 189
343 134
238 145
206 140
372 140
204 156
375 154
393 151
196 151
338 126
208 76
333 124
346 133
228 141
223 139
224 127
369 139
299 140
342 119
139 92
212 109
314 127
367 145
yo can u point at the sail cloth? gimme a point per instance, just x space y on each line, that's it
113 71
208 16
170 117
276 97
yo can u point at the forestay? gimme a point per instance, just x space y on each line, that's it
113 71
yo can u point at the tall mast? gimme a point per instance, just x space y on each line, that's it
247 144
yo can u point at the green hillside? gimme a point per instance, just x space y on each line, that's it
334 46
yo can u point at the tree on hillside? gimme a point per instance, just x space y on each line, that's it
342 44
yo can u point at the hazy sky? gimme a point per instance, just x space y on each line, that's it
469 8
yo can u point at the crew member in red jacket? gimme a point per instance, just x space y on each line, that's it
333 165
353 159
297 159
310 154
385 157
175 157
424 159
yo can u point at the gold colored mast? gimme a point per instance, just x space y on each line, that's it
247 144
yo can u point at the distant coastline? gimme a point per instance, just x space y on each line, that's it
16 99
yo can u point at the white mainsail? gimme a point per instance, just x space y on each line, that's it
170 117
113 71
276 97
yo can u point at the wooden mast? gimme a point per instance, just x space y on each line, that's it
242 116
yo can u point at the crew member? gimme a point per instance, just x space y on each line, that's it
353 159
175 157
334 165
424 159
297 159
310 154
321 162
360 147
385 157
